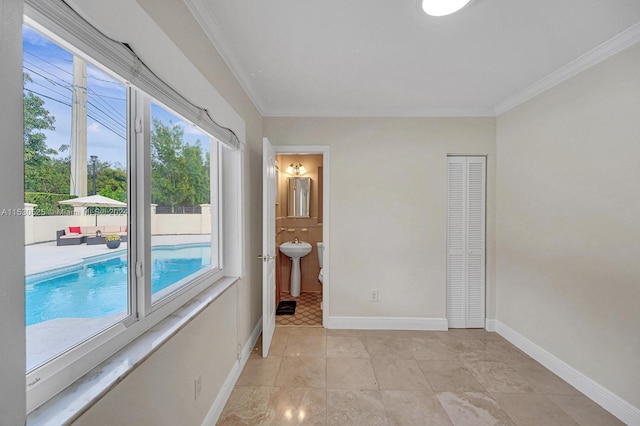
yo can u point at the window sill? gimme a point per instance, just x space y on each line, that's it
72 402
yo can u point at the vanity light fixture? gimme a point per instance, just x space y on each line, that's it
443 7
296 169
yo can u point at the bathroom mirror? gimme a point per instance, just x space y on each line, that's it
298 195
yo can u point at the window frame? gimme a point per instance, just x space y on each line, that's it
47 380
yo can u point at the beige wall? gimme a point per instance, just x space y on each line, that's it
161 390
388 206
568 222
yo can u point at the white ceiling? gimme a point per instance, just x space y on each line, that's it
387 58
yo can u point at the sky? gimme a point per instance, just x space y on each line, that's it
51 69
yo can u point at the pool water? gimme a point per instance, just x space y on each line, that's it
99 288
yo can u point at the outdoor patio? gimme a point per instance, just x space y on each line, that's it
49 338
45 257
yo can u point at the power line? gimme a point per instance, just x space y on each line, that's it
106 115
48 97
115 132
50 89
106 81
50 63
47 78
107 104
110 97
55 76
117 118
88 115
89 90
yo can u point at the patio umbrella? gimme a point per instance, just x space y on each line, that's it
93 201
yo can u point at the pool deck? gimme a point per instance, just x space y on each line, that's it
49 338
47 256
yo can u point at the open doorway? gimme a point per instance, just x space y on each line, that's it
270 249
299 222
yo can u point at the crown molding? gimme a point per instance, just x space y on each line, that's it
212 28
381 112
616 44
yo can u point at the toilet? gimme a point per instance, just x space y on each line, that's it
320 247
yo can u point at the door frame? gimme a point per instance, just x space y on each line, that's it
326 213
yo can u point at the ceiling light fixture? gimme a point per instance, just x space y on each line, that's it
443 7
296 169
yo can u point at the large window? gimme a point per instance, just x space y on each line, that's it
183 186
122 209
75 147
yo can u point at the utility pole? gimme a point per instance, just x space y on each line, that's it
79 129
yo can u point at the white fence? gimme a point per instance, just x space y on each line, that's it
39 229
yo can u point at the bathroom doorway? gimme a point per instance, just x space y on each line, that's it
299 221
270 252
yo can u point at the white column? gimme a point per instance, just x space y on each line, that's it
28 223
154 222
205 218
79 129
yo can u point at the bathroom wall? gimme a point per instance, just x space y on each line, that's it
305 229
310 162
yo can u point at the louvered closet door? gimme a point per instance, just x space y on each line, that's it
466 242
456 258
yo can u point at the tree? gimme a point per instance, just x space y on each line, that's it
111 180
39 169
179 173
197 172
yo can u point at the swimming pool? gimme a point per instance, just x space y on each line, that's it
98 287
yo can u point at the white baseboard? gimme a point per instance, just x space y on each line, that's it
490 324
611 402
387 323
221 399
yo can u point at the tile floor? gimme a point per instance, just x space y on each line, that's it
308 311
315 376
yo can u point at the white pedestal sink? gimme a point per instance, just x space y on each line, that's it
295 250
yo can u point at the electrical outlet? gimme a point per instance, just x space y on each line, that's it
374 296
197 386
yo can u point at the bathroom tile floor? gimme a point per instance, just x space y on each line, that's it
308 312
315 376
